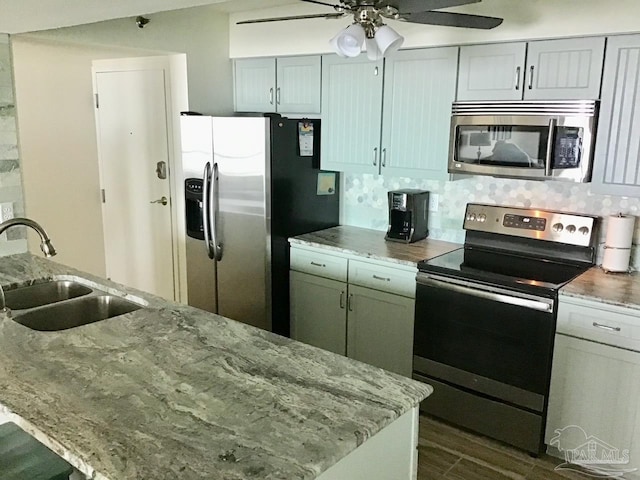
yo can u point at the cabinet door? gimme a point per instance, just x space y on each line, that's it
298 84
419 86
255 84
380 329
318 313
594 387
617 155
568 69
492 72
351 114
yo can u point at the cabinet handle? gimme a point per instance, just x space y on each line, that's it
271 96
342 299
384 279
606 327
375 71
318 264
350 302
384 157
531 78
278 95
518 78
375 157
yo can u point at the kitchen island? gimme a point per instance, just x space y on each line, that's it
169 391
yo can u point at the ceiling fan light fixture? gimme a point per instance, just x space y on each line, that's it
373 52
388 40
348 42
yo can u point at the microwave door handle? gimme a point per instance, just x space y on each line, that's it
553 123
206 187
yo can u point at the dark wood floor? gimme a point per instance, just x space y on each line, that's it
448 453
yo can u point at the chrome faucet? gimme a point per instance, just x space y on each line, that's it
45 246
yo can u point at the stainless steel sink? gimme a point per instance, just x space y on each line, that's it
43 294
76 312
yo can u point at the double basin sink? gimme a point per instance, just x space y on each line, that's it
62 304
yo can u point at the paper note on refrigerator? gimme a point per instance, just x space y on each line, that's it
326 183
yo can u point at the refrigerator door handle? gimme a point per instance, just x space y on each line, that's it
206 183
213 215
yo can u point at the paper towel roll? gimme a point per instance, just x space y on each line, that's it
617 248
616 259
620 231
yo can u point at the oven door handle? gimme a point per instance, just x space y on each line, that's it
543 305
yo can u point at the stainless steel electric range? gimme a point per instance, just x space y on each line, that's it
486 315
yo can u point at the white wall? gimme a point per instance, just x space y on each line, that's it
56 117
523 19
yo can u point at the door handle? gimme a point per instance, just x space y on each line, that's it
163 200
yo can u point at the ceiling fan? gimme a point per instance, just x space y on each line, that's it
368 23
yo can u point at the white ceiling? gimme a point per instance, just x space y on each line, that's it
20 16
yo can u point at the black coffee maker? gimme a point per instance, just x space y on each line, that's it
408 211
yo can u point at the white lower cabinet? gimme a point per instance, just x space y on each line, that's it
380 329
373 325
318 316
595 386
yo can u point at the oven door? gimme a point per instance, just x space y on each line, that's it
484 339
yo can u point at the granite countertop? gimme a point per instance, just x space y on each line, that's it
371 244
621 289
172 392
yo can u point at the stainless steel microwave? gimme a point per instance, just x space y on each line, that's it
541 140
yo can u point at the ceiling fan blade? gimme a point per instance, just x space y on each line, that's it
336 7
415 6
449 19
295 17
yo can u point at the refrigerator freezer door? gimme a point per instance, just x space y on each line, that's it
197 150
241 151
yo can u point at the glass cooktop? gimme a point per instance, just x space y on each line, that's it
502 268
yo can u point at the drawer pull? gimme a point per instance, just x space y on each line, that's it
384 279
606 327
318 264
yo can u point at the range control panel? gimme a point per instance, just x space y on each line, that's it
569 228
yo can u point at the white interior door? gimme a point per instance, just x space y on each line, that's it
132 138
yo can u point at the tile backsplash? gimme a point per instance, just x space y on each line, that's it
15 239
364 202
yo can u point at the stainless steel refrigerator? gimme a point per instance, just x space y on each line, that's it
249 184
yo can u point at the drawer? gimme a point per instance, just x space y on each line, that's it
317 263
599 325
387 279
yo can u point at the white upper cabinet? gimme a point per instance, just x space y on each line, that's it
419 86
566 69
569 69
411 137
617 155
282 85
492 72
352 112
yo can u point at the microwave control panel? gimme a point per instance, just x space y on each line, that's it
567 147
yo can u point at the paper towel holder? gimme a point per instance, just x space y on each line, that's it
621 248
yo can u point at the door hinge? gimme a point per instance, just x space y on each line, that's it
103 195
97 102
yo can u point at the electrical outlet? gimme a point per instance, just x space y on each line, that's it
434 199
6 211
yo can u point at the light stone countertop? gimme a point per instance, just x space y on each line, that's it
371 244
621 289
172 392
